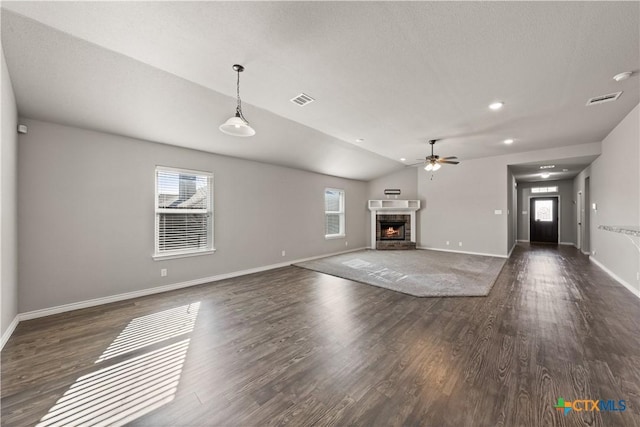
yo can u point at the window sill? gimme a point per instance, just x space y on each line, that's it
163 257
334 236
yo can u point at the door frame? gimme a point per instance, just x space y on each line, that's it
579 218
586 219
541 196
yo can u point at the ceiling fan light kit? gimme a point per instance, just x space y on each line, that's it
434 162
237 125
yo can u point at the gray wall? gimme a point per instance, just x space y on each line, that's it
87 215
459 203
8 213
512 216
579 186
615 188
567 218
406 180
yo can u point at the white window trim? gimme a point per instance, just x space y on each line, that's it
161 256
544 190
175 255
343 214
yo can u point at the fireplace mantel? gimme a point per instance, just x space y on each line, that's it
393 207
396 205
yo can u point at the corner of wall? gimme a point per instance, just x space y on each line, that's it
8 203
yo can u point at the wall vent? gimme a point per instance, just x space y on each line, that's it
302 99
604 98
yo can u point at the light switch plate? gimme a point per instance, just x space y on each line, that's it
497 212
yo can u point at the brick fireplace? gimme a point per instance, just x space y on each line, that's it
394 232
393 224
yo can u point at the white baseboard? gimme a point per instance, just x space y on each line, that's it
511 250
560 243
159 289
9 331
617 278
461 252
585 253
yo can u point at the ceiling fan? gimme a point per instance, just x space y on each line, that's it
433 162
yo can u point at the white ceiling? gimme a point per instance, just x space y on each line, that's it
393 73
562 169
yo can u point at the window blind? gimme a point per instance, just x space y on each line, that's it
334 212
184 205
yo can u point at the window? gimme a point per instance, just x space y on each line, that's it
544 189
544 210
333 213
184 212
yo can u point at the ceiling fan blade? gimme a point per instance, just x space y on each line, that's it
448 162
449 158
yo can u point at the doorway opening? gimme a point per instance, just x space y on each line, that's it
586 219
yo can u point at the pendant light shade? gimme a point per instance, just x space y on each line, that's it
237 125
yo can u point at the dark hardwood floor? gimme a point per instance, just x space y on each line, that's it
292 346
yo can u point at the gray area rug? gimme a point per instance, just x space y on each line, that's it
421 273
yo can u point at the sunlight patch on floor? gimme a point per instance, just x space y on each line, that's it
122 392
153 328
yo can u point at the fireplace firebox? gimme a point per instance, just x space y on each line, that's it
393 224
392 230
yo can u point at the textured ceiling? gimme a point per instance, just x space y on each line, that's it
393 73
562 169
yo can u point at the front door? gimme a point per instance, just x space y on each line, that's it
543 218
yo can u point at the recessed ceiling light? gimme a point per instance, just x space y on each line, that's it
402 159
496 105
622 76
359 140
545 175
547 167
508 141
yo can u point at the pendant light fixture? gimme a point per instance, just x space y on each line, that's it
237 125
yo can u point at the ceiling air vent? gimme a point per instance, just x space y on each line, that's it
604 98
302 99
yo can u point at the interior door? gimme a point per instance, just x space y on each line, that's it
543 220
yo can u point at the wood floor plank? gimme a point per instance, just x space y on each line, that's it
296 347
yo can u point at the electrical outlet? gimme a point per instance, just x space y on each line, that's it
284 253
593 252
459 243
447 243
346 243
638 276
163 272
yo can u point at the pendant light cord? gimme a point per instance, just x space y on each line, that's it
239 107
